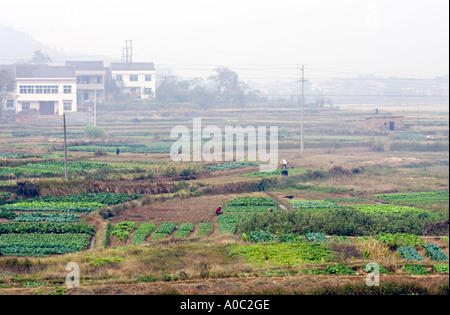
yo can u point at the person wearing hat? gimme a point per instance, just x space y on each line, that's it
219 210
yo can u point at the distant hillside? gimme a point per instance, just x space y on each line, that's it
17 46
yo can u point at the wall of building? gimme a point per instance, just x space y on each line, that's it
384 122
125 84
38 94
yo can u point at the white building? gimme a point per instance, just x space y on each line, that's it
91 77
51 90
136 79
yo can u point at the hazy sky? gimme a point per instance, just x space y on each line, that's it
260 38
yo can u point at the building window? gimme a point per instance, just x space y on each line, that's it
10 104
119 77
148 77
67 106
46 89
38 89
54 89
67 89
133 77
22 89
30 89
99 80
148 91
85 80
25 106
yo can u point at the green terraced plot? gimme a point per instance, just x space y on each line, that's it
42 244
283 254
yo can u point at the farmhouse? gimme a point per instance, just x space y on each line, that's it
91 77
49 90
385 122
135 79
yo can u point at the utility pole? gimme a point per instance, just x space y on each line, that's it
302 104
95 107
66 174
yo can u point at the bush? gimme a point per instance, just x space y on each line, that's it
94 131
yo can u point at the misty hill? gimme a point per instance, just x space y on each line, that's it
17 46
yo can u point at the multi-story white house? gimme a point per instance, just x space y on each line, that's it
50 90
91 77
136 79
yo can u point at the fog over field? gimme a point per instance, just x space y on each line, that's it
261 40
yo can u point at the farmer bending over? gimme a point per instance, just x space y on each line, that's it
219 210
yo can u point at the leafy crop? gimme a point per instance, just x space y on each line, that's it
52 168
399 239
260 236
304 205
246 209
230 218
162 147
144 230
53 206
441 268
282 254
42 228
6 214
384 208
409 253
414 196
435 252
316 237
227 228
382 269
163 230
44 217
123 229
184 230
42 244
204 229
339 270
104 198
230 166
418 270
252 201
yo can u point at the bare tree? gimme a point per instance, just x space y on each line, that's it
7 85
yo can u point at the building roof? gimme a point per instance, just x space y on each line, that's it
384 117
86 65
132 66
44 71
8 68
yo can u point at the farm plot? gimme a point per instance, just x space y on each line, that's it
388 209
41 239
416 198
144 230
50 169
82 203
313 205
284 254
241 207
162 147
183 230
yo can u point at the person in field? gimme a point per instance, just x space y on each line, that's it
219 210
284 164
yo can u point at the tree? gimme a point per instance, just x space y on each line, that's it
40 58
7 85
